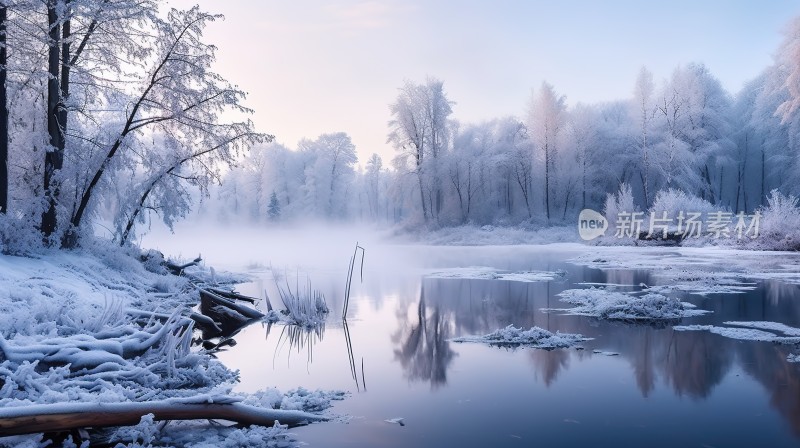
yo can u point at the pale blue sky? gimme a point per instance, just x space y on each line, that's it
324 66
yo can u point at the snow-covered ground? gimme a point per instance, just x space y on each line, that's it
72 331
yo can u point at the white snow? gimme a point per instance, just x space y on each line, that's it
697 270
610 304
535 337
750 331
87 327
489 273
767 325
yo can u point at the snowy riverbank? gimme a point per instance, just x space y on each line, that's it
73 333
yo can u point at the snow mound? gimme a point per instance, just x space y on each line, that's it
489 273
299 399
763 331
615 305
536 337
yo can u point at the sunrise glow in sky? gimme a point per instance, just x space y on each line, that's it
315 66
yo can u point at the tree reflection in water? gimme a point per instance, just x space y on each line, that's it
424 348
690 363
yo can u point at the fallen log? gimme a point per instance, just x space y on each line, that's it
68 416
177 269
232 295
212 298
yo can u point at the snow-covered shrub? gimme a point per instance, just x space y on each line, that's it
304 307
141 435
779 224
18 237
153 261
678 208
673 201
621 202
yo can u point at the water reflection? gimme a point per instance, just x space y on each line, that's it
691 364
351 357
423 343
296 339
548 364
401 325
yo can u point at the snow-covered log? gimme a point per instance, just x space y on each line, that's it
232 295
68 416
177 269
211 298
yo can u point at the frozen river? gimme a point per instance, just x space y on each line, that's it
652 386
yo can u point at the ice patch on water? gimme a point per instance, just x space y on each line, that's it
536 337
616 305
701 271
750 331
767 325
489 273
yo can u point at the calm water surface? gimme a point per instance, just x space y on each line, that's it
394 355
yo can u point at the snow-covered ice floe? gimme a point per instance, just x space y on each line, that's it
763 331
610 304
489 273
696 270
536 337
750 331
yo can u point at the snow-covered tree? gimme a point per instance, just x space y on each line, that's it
419 130
179 97
643 110
546 120
274 207
788 59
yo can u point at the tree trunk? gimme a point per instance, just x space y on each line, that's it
67 416
547 182
763 193
54 158
422 197
3 111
